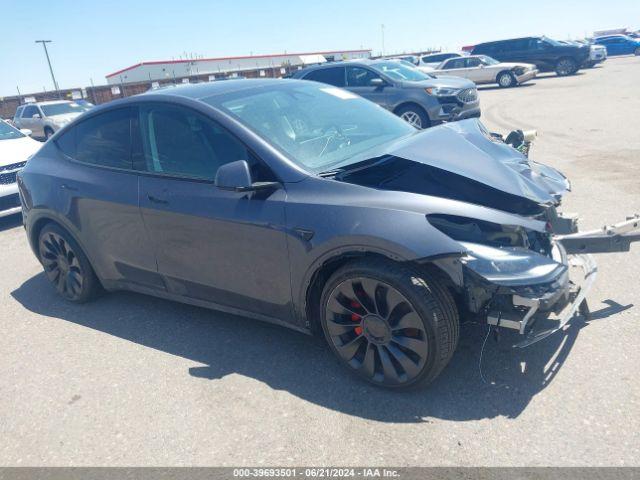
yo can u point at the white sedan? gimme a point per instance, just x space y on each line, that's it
15 148
484 69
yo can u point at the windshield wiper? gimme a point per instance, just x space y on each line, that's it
370 162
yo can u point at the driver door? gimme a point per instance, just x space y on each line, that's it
359 82
214 245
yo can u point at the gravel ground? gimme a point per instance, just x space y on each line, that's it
132 380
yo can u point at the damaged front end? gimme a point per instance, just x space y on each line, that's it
532 281
516 278
525 266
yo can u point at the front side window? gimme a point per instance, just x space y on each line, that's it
181 142
317 126
29 111
360 77
472 62
333 76
103 140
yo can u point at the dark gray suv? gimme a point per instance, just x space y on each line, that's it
307 206
413 95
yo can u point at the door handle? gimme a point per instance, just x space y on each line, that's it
157 200
64 186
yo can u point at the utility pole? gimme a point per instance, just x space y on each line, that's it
382 30
53 77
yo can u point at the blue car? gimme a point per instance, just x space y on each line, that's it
619 44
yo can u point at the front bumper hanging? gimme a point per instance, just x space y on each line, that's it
536 318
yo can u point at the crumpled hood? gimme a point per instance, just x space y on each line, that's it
465 148
423 163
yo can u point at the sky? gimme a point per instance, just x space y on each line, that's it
94 38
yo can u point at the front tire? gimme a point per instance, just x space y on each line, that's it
636 52
414 115
66 266
566 66
390 324
48 133
506 80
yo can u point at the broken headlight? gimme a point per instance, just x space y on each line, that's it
510 266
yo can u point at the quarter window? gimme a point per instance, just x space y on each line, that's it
333 76
181 142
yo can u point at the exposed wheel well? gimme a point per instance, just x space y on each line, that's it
322 274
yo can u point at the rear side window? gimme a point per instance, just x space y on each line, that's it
455 63
333 76
517 45
104 140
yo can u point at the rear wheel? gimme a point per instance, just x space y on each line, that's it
506 80
388 323
414 115
566 66
66 265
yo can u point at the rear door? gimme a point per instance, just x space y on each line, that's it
476 71
455 67
359 82
214 245
98 192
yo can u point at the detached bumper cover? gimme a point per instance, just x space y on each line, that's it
589 270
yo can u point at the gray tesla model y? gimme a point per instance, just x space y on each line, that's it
308 206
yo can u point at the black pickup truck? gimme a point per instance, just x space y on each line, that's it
547 54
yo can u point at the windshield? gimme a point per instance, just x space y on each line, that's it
400 71
7 132
54 109
488 60
318 126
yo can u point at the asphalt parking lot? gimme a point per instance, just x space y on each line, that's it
133 380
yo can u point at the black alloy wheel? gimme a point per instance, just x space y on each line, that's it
376 330
65 265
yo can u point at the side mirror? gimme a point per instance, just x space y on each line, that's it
35 115
377 82
26 131
236 176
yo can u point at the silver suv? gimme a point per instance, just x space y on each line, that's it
413 95
46 118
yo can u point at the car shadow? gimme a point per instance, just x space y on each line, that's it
483 88
302 365
10 221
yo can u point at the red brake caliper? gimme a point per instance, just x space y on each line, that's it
356 318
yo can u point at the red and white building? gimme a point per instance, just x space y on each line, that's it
226 66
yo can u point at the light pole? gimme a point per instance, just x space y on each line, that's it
53 77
